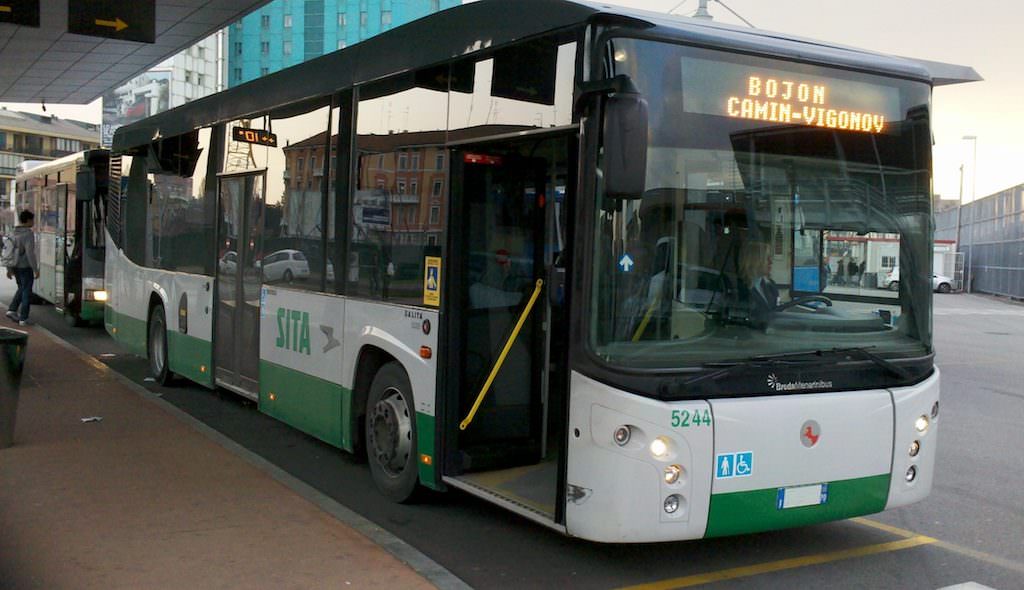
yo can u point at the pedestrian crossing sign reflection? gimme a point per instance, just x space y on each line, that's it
432 281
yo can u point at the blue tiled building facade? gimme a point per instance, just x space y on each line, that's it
287 32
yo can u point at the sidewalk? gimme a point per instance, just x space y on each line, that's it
142 499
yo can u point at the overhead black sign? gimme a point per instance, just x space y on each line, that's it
257 136
20 12
113 19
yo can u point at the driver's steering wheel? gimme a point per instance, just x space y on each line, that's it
803 301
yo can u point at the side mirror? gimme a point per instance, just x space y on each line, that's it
85 185
625 145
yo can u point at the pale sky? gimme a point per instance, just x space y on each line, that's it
984 34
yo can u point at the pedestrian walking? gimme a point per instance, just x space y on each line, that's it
25 269
841 272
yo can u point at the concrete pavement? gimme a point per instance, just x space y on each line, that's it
143 499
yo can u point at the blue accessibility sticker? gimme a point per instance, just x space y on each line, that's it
729 465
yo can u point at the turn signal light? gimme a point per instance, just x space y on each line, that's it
425 352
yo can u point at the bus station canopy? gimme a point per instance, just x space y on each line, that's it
50 64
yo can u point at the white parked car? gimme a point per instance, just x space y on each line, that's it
891 281
285 265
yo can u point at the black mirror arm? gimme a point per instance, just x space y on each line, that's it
621 84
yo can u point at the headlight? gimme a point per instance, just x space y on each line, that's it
672 503
622 435
921 424
911 474
672 473
915 448
659 447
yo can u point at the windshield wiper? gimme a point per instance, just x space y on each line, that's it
862 351
797 358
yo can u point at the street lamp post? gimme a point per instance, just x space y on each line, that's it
974 186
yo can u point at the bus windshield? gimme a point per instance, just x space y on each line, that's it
786 209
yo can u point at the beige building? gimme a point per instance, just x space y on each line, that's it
25 136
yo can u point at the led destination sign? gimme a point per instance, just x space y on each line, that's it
256 136
777 96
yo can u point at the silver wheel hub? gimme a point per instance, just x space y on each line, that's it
156 348
390 432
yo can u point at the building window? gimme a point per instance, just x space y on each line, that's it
439 162
415 161
298 164
385 18
888 261
435 5
265 21
438 187
414 188
199 79
341 20
401 187
238 48
380 162
410 217
287 21
363 19
435 215
238 73
312 164
341 44
286 47
200 52
264 71
265 47
188 77
402 162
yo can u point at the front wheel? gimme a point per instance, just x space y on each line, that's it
894 286
158 346
391 433
945 288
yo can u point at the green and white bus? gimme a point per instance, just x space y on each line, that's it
68 196
569 258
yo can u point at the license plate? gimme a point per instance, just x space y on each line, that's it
798 496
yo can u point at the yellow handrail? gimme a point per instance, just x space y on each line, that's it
647 319
501 357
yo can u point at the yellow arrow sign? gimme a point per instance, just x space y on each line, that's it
116 24
5 9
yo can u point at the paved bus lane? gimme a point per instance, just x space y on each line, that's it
969 529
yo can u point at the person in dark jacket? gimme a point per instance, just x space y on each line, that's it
756 287
26 270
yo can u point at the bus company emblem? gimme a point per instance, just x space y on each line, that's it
776 385
810 432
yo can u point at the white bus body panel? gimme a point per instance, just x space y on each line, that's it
326 322
854 438
911 403
617 494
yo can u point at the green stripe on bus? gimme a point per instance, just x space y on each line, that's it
313 405
427 460
188 356
755 511
129 332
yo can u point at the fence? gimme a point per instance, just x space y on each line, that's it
991 237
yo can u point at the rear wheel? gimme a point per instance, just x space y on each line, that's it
158 346
391 433
944 288
894 286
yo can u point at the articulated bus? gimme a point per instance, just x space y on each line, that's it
68 197
565 257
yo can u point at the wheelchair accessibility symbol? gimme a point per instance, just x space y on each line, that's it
734 465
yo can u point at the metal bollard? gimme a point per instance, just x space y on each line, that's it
13 344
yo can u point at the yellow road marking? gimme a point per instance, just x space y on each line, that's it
784 564
1002 562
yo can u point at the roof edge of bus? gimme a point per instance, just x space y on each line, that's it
463 30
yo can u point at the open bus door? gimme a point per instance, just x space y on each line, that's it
507 376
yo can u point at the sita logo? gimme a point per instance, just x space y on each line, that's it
292 330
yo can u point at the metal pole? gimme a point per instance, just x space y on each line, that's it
970 231
959 210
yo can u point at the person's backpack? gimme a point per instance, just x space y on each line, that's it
9 252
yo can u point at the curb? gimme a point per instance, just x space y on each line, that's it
432 571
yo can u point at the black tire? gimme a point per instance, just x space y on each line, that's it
944 288
894 286
288 277
157 346
391 434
